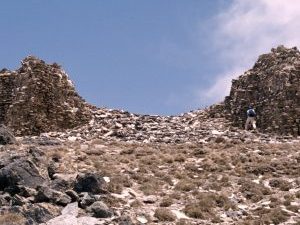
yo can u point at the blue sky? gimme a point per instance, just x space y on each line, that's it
152 57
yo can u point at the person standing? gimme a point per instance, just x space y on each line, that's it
251 115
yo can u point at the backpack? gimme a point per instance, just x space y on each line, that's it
251 113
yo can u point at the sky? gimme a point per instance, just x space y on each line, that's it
162 57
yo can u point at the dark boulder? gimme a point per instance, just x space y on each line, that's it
86 200
93 183
20 173
6 136
100 210
39 212
46 194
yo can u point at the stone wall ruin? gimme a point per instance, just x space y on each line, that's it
272 86
38 98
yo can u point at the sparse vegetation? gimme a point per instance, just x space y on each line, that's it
164 214
166 202
12 219
185 185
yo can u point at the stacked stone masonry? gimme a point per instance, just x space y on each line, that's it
39 98
272 87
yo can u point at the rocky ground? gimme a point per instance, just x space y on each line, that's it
124 168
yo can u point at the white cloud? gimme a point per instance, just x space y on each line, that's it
245 30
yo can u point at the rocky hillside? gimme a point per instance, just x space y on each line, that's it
272 86
74 164
39 97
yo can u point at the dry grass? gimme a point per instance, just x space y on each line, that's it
205 205
164 214
282 184
198 175
185 185
117 183
166 202
12 219
253 191
275 216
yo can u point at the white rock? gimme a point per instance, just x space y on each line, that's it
179 214
72 138
70 209
142 219
107 179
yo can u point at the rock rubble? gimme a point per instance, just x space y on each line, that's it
198 126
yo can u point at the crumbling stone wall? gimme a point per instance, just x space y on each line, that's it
40 98
272 86
7 83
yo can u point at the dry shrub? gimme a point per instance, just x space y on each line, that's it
208 200
220 139
167 179
253 191
167 159
194 210
185 185
210 166
127 151
164 214
175 195
166 202
111 201
117 183
105 169
192 167
12 219
282 184
204 207
275 216
96 142
98 165
180 175
149 188
180 158
163 176
150 185
183 222
125 160
149 160
143 152
136 204
200 152
97 152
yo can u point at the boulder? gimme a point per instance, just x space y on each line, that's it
46 194
86 200
100 210
6 136
69 217
40 212
93 183
20 172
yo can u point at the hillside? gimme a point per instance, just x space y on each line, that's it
72 163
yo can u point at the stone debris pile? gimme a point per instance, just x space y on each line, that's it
272 86
39 97
197 127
